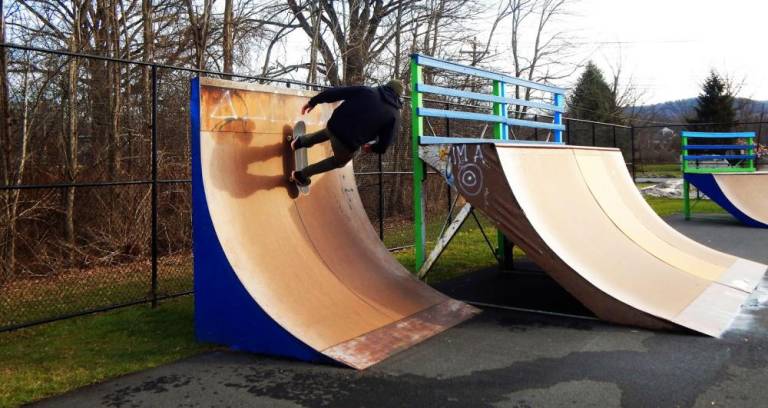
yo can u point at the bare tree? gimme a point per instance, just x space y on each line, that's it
358 33
542 62
199 27
227 42
625 93
5 141
70 133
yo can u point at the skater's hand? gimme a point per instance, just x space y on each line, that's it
367 148
306 109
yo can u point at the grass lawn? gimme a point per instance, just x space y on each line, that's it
669 206
57 357
51 359
659 170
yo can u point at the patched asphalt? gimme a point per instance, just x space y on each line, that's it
502 358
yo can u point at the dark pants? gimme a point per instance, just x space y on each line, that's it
341 153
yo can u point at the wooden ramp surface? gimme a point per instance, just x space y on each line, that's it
576 213
313 263
748 192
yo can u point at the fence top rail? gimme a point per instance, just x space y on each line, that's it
428 61
717 135
156 65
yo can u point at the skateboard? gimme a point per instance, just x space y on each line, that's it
300 155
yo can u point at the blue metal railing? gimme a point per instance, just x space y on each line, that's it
500 115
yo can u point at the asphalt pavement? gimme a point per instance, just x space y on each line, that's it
503 358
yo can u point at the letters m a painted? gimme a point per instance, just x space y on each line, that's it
460 153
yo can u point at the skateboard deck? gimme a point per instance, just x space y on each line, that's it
300 155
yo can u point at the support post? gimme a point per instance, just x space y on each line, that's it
448 134
501 132
417 130
558 119
445 238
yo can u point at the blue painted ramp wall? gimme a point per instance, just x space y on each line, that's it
707 184
225 313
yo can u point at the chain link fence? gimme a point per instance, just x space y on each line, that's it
111 226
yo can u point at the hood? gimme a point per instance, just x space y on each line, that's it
389 96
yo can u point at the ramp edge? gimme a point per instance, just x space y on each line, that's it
368 349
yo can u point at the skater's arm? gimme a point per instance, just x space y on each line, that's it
336 94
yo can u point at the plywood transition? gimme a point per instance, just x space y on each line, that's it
748 192
313 263
576 213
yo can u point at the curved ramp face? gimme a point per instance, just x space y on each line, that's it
743 195
278 273
576 213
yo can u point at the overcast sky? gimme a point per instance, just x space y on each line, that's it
669 46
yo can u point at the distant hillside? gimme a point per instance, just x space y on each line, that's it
677 111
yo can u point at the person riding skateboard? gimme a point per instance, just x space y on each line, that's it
367 114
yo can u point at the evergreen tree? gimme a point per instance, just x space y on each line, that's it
592 98
714 105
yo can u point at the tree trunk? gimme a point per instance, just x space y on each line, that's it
13 222
199 24
5 141
71 137
148 55
398 38
115 94
315 18
228 38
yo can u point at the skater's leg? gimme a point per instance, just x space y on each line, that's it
341 156
312 139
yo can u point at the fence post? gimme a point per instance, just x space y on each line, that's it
567 131
448 134
536 130
632 149
614 135
154 186
594 134
381 199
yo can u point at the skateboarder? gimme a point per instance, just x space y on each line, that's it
367 114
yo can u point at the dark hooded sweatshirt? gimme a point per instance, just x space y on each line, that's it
367 113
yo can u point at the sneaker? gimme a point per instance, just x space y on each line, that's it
294 144
300 179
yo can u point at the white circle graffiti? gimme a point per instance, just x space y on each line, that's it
470 179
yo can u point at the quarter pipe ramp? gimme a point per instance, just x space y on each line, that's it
744 195
298 276
576 213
